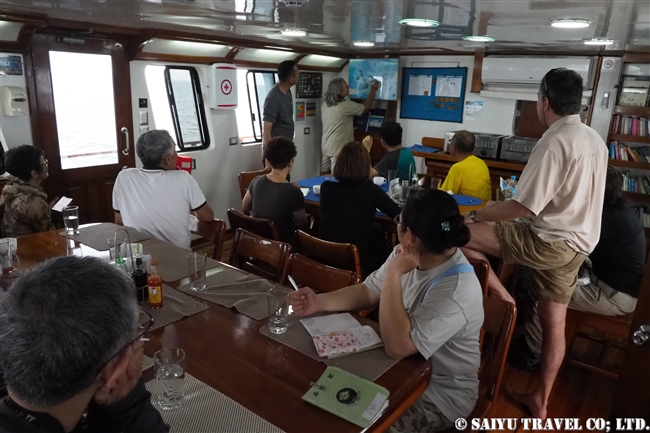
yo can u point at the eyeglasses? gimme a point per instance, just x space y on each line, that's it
145 321
45 162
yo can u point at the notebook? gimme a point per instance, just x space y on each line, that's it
341 334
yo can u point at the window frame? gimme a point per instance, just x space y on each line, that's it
260 110
198 105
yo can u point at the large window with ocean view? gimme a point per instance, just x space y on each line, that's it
186 108
82 85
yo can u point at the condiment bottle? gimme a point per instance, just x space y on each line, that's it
140 279
155 285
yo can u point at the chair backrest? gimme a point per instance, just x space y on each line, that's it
496 333
320 277
246 177
482 269
260 256
337 255
259 226
215 232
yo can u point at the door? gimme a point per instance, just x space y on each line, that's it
81 111
632 399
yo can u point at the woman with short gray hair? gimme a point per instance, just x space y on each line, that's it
337 112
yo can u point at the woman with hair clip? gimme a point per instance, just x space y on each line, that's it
337 113
430 302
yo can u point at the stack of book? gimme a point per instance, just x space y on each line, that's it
630 125
644 216
636 183
623 152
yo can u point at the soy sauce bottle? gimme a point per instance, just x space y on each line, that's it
155 285
140 278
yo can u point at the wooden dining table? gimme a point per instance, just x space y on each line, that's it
227 351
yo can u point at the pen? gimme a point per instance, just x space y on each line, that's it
293 282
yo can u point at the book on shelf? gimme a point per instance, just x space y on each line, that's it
642 213
340 334
636 183
630 125
622 152
634 91
348 396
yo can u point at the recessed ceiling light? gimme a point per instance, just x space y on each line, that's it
364 44
419 22
570 23
478 38
599 41
294 32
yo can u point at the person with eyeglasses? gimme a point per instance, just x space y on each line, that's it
552 222
26 208
430 302
70 352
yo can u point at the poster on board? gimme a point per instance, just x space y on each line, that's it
433 94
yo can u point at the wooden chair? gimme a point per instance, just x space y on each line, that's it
321 278
482 269
496 333
260 256
261 227
246 177
337 255
215 232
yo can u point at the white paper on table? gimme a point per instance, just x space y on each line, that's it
61 204
305 191
330 323
449 87
420 85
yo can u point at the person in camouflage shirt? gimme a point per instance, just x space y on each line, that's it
26 208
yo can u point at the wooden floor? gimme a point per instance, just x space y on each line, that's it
577 393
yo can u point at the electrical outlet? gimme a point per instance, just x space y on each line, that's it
143 129
144 117
233 141
143 103
307 131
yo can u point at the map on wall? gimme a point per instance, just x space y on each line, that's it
364 71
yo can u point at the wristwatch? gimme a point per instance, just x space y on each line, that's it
472 215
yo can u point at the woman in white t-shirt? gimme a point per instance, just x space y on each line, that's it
337 113
430 302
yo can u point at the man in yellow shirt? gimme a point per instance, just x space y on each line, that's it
470 175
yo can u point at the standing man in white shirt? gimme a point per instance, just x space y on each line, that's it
157 198
559 201
278 105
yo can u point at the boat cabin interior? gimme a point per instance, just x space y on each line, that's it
83 80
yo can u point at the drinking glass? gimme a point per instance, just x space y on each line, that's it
278 300
196 263
169 365
71 219
7 255
392 175
405 191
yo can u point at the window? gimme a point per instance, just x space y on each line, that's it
86 131
186 105
251 103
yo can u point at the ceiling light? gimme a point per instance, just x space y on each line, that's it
294 32
599 41
570 23
364 44
419 22
478 38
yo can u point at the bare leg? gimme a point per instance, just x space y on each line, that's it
485 240
552 316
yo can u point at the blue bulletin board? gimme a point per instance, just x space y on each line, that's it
433 94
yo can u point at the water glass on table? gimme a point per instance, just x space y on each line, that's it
278 301
71 219
7 257
169 365
196 264
393 179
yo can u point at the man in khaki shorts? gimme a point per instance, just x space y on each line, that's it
557 208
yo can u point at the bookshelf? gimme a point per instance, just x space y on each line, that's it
629 164
629 138
632 111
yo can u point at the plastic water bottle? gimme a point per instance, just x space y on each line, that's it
512 187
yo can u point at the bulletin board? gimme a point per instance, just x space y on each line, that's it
433 94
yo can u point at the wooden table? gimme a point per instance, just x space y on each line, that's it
226 351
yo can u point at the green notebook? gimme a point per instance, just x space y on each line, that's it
348 396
